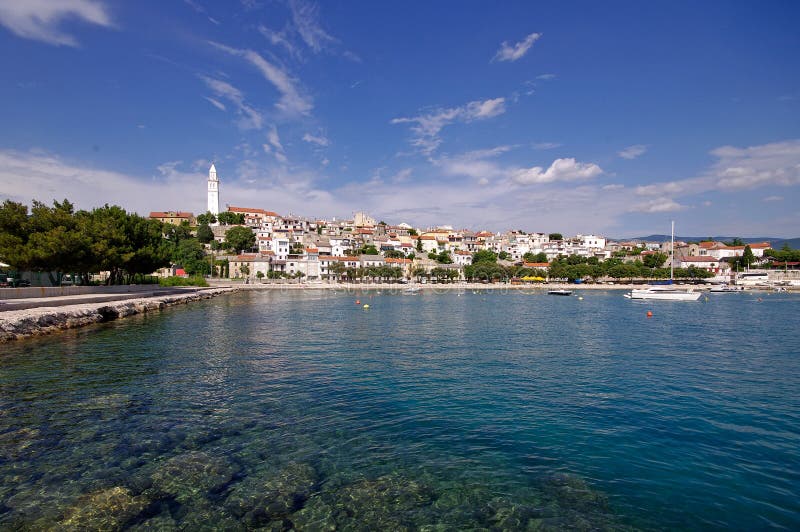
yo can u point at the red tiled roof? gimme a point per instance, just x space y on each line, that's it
700 259
170 214
252 211
536 264
398 261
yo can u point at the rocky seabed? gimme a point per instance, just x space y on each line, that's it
19 324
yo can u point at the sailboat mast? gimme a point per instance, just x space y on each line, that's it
672 251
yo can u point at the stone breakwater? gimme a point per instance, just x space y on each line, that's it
19 324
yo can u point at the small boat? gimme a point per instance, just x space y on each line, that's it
560 292
665 293
726 288
412 290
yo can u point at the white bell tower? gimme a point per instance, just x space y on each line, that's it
213 191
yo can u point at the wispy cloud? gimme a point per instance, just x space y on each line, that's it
274 145
773 198
280 38
249 118
657 205
428 126
546 145
508 52
319 140
632 152
39 20
306 19
546 77
216 103
292 101
560 170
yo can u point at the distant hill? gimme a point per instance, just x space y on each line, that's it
777 243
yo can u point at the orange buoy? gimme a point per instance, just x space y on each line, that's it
649 313
358 302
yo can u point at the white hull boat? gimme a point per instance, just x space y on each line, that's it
666 293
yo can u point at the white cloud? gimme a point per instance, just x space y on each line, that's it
319 140
483 181
486 109
546 145
401 176
546 77
274 145
658 205
292 101
768 164
305 16
560 170
612 186
427 128
39 19
632 152
216 103
249 117
280 38
773 198
508 52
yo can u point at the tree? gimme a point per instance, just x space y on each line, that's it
503 255
555 236
189 255
231 218
412 232
394 254
368 249
748 258
206 219
483 255
204 234
239 239
245 269
337 269
260 275
444 257
419 245
655 260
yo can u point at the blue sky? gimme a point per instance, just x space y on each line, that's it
612 118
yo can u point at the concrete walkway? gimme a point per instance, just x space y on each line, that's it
62 301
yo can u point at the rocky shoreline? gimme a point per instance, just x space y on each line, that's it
19 324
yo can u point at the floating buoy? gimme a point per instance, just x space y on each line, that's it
649 313
580 298
358 302
366 307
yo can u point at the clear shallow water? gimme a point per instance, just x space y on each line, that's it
437 411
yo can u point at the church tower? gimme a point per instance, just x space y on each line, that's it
213 191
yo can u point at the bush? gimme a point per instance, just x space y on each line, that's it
183 281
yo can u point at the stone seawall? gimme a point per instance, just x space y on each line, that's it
18 324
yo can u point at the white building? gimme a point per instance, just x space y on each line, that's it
213 191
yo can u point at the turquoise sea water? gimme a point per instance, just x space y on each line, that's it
502 410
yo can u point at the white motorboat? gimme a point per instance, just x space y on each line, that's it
560 292
726 288
665 292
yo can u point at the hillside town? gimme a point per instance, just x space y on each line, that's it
314 249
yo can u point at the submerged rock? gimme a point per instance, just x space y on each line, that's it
18 443
109 509
267 496
192 475
390 502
